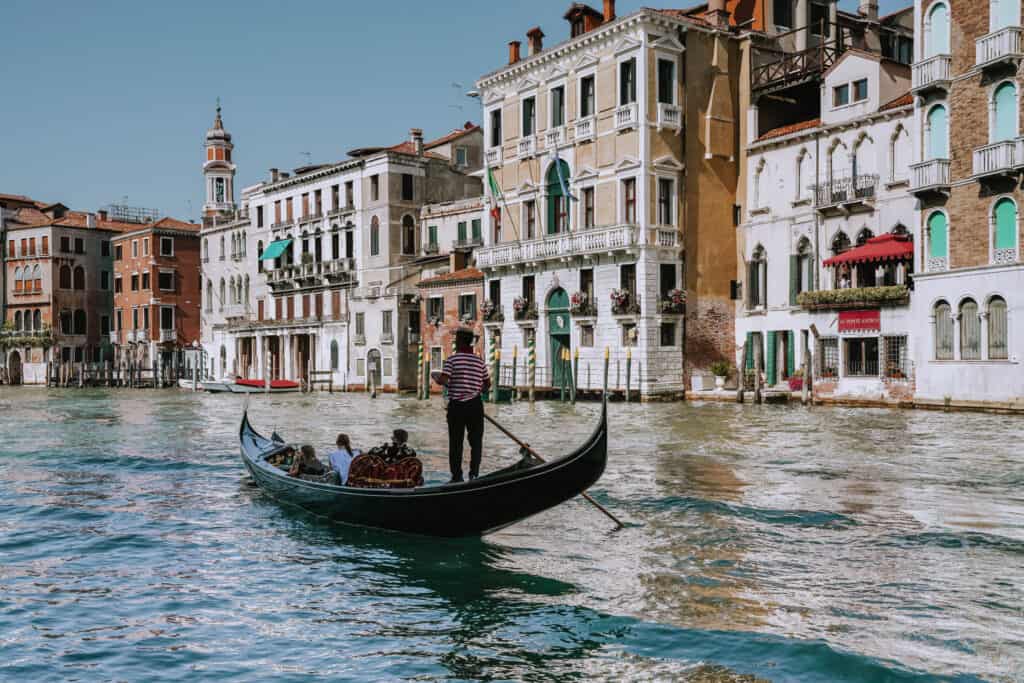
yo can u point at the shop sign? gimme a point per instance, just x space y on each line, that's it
860 321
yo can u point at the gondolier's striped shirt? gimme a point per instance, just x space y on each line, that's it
467 374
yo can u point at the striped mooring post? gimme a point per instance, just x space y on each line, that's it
607 356
420 384
495 380
575 376
515 367
531 359
629 368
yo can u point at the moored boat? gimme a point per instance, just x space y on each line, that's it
255 386
473 508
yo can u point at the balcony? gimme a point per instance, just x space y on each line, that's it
846 195
431 248
997 48
359 340
793 68
527 147
932 73
554 137
387 339
469 243
625 117
670 116
854 298
997 159
585 129
559 247
168 336
930 177
492 157
282 225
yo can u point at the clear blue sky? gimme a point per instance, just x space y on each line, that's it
105 100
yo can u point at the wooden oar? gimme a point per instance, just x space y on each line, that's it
537 455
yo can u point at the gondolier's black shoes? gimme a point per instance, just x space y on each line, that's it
456 480
473 475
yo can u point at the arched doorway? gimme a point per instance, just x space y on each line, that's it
14 368
559 330
558 203
373 368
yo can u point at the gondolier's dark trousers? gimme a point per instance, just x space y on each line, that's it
465 417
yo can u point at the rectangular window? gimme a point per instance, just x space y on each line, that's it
288 213
860 90
166 318
167 246
896 361
31 246
360 367
840 95
135 282
558 106
104 248
145 246
587 284
105 280
374 240
165 281
335 247
629 334
529 289
79 245
135 318
435 359
360 324
432 237
666 279
586 336
494 286
335 197
496 228
277 212
531 219
668 334
467 307
828 357
318 202
407 187
435 309
666 81
819 23
259 216
117 284
11 250
665 193
862 357
135 248
627 277
496 128
145 281
349 194
629 200
588 207
463 235
461 157
305 204
374 188
45 251
477 230
65 244
529 116
118 252
145 318
587 96
119 319
385 323
783 13
627 82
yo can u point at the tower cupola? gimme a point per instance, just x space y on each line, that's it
219 170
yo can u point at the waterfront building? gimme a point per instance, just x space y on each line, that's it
614 163
314 276
970 157
58 286
450 300
157 294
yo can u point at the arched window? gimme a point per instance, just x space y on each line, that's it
65 322
1004 112
259 256
803 269
937 133
863 236
936 33
79 277
558 203
757 278
408 235
838 161
246 292
223 361
80 322
209 296
18 284
863 159
801 174
899 154
758 185
37 277
65 277
840 243
28 321
37 320
222 247
206 249
970 331
374 236
223 295
1004 231
1003 14
334 356
938 242
998 342
17 320
943 331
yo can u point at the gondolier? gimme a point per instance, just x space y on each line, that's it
465 376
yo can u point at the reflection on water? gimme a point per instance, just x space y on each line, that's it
781 544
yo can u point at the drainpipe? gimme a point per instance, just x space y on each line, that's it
817 218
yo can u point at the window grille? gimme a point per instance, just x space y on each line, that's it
897 364
828 357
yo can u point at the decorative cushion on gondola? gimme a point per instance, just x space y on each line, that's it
371 472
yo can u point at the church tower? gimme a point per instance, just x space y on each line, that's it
218 171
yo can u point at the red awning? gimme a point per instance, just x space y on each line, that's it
887 247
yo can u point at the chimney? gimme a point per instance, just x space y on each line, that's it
102 214
416 136
90 220
513 52
609 10
717 14
275 175
536 38
868 9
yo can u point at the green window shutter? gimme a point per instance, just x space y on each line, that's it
750 351
477 233
1006 224
433 234
770 364
1006 112
462 231
794 278
790 353
938 238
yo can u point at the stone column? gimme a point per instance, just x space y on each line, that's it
286 357
956 336
801 19
984 334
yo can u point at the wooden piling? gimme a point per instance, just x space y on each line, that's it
575 376
758 365
629 369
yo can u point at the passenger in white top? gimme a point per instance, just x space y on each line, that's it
341 459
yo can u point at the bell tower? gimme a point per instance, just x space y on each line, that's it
218 171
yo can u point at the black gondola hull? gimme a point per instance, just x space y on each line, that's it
470 509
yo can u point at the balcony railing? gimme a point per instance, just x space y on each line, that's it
997 159
527 147
594 241
932 72
282 225
670 116
387 338
431 248
585 129
625 116
929 175
468 243
1002 45
168 336
554 137
795 67
492 157
846 191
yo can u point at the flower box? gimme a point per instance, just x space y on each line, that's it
859 297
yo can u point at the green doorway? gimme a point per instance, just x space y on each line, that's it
559 329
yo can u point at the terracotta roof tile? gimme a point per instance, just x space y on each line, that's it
454 135
408 147
901 101
464 275
791 128
175 224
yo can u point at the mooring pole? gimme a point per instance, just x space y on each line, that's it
419 371
532 360
606 361
575 376
515 367
629 369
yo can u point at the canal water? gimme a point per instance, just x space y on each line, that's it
769 543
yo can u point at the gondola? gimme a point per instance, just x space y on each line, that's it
473 508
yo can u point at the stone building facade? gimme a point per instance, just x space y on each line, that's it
448 301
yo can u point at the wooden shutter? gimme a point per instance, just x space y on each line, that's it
749 351
770 365
794 278
277 309
305 305
790 353
259 310
319 309
336 305
291 308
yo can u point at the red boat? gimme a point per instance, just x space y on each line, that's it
255 386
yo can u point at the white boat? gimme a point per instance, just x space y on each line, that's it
216 387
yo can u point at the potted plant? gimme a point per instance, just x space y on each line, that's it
524 309
623 303
579 304
720 369
490 312
674 302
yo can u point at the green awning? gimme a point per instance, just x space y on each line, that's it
274 250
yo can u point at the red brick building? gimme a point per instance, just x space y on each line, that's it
447 302
156 292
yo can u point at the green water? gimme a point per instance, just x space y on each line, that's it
780 543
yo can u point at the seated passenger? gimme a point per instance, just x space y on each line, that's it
305 463
341 459
283 458
396 450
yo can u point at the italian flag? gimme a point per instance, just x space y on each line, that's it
495 194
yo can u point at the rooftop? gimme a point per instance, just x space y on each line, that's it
464 275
